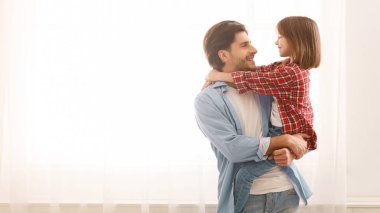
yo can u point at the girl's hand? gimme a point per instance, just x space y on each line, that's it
206 84
213 75
210 78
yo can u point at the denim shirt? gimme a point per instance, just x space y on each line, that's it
220 123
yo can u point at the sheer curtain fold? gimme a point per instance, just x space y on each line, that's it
90 119
328 177
331 187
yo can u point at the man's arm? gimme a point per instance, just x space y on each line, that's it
284 156
295 143
219 128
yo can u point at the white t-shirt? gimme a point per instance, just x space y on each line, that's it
275 118
247 106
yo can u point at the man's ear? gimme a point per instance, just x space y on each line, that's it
224 55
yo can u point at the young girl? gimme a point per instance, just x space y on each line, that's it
288 81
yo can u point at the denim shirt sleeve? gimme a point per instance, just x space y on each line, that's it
217 124
264 145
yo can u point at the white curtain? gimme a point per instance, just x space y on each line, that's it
97 97
328 178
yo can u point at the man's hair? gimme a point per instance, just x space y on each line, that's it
302 35
220 37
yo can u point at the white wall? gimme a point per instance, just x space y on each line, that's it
363 101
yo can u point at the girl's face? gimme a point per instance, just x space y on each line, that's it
283 46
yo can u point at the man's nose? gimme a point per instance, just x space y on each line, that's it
253 50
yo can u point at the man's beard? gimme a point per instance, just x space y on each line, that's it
243 66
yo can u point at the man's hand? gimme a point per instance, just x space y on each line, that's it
282 157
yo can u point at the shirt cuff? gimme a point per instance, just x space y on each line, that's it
264 145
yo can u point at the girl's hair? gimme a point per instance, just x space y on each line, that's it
302 35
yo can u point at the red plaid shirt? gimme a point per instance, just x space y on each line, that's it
290 85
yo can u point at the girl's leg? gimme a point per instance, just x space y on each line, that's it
244 178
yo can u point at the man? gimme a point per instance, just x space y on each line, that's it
235 124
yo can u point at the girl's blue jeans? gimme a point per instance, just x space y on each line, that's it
248 172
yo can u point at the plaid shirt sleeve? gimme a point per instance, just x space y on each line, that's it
269 79
290 84
267 68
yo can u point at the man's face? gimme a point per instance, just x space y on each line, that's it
242 53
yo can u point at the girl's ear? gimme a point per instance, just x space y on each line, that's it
224 55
